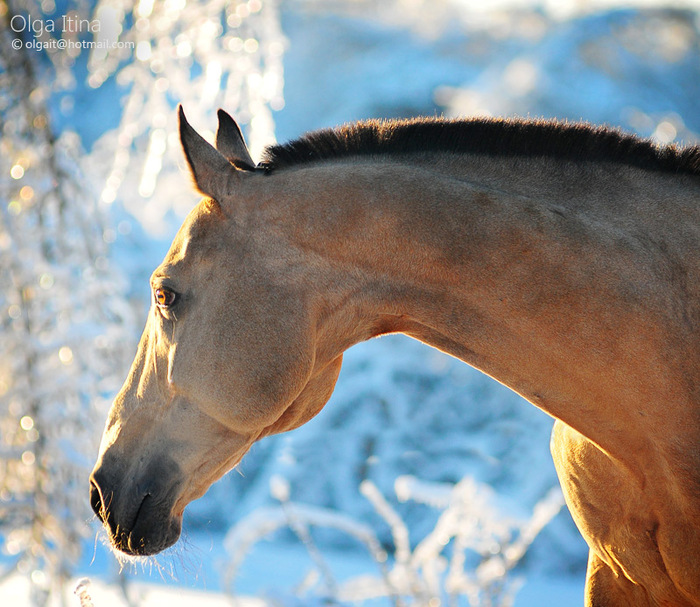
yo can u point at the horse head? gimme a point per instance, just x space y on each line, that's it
231 352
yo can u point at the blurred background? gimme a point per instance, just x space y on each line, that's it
422 482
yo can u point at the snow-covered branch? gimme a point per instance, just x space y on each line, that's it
477 541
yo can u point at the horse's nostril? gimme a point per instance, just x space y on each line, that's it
96 500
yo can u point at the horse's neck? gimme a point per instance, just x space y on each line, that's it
545 294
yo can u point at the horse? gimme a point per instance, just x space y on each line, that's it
559 258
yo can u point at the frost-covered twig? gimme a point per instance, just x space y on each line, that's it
399 531
545 510
472 521
203 54
265 521
58 320
279 488
68 329
436 495
81 591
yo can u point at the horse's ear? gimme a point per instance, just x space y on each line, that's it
211 172
230 142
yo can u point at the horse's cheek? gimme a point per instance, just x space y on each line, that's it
214 387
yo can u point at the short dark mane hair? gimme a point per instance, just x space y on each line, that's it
493 137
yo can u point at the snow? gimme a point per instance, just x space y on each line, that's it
100 594
379 464
269 568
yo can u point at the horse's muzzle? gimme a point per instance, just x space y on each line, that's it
137 515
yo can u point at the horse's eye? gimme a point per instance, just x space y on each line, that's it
164 297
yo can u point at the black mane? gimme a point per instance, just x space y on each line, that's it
493 137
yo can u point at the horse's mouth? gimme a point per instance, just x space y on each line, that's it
150 532
143 526
154 540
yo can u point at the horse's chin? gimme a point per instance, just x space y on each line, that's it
149 537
